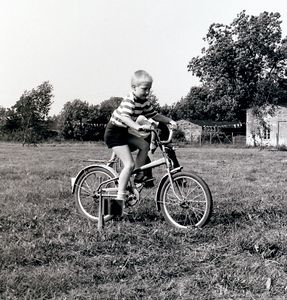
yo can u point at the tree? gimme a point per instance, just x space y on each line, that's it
2 119
154 101
12 125
80 121
168 110
107 107
28 117
2 115
194 106
243 65
72 119
94 126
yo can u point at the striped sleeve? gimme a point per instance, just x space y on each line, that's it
126 108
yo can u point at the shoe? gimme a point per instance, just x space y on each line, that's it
139 178
142 179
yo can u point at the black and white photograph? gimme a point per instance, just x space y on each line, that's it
143 150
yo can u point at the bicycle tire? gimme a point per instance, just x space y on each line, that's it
194 207
87 202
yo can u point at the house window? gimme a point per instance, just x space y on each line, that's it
266 133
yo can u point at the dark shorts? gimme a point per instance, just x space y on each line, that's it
115 135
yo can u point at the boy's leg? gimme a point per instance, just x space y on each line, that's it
143 147
124 153
164 136
172 156
141 159
148 172
148 178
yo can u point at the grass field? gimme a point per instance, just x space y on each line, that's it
49 251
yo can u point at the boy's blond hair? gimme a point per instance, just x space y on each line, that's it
139 77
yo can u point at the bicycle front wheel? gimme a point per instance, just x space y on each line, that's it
188 203
87 199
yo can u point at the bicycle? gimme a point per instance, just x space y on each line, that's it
183 198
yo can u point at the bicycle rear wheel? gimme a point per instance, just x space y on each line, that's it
87 199
189 205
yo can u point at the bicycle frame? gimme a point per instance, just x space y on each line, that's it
153 164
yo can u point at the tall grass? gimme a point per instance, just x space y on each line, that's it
49 251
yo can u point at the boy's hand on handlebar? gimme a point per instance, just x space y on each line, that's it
173 125
145 127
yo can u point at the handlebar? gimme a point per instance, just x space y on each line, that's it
170 135
152 128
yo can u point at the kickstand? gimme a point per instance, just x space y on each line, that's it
101 221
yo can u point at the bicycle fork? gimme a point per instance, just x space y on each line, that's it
167 176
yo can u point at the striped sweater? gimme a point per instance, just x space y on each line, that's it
132 107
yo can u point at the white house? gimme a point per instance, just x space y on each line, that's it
274 134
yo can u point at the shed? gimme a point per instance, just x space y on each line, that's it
192 132
199 131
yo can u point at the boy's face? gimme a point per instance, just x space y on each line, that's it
142 90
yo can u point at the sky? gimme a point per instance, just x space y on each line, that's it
88 49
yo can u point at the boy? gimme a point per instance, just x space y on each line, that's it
118 138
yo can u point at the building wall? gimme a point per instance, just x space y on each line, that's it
192 132
276 136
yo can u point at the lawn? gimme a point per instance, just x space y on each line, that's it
49 251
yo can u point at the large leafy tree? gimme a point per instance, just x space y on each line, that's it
243 66
28 117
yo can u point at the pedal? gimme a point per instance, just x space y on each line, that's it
131 202
138 185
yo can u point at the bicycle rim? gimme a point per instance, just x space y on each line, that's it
191 203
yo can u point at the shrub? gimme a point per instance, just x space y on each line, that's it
179 136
